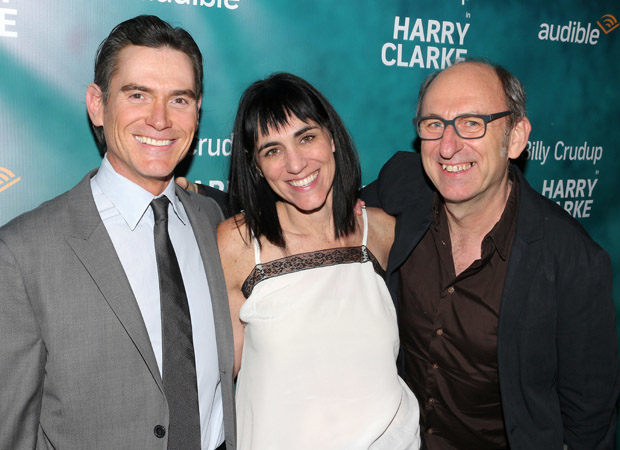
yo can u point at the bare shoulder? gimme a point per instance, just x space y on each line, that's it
381 224
236 249
380 233
380 218
231 227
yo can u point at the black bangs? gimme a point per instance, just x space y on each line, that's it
273 104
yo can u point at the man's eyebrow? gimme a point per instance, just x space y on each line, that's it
179 92
184 92
135 87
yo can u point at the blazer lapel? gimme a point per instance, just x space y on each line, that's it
204 218
524 258
92 245
203 227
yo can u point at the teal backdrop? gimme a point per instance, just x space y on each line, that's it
368 57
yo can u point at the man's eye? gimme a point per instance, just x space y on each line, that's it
438 124
181 101
137 95
472 122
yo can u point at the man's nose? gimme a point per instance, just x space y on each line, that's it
450 143
158 117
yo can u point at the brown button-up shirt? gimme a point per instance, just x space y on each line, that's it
448 331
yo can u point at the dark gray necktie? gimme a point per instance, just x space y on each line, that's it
179 366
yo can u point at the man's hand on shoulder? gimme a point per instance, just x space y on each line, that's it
184 183
358 207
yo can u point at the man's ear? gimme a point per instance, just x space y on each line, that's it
519 135
95 104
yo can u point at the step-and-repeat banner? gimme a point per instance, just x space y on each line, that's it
368 57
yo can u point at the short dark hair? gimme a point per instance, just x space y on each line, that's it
145 31
271 103
514 92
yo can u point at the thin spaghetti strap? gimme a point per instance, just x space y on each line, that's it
365 216
256 250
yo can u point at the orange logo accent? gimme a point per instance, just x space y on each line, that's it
608 24
7 179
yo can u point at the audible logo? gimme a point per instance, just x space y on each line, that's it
608 24
7 179
576 33
220 4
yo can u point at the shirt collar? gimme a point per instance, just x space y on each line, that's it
503 231
501 234
131 200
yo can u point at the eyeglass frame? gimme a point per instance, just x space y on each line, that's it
486 118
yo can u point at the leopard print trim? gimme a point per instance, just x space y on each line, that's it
310 260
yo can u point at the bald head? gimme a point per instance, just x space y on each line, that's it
512 90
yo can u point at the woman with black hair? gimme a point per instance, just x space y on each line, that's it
315 329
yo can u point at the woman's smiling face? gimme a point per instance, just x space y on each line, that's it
298 163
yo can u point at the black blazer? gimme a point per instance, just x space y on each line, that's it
557 346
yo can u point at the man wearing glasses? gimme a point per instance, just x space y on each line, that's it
506 317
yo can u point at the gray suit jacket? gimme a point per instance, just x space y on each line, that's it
77 370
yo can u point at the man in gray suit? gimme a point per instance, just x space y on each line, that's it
83 343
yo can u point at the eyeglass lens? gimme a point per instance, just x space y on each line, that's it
466 127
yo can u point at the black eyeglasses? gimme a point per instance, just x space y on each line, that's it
467 126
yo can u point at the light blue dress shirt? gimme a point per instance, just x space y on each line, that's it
125 210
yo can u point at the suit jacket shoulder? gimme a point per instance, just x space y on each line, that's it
400 186
220 197
55 217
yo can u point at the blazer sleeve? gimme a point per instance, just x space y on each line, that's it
22 358
401 185
588 375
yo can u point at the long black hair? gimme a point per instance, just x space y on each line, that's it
271 103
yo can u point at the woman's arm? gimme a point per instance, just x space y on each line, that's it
380 234
237 261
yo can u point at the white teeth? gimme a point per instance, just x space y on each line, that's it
151 141
306 181
457 167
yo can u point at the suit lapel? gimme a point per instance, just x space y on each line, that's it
203 227
524 258
92 245
204 218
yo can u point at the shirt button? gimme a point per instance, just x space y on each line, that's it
451 290
159 431
439 332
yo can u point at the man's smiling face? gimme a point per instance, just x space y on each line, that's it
151 114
